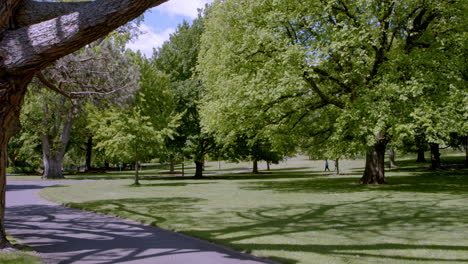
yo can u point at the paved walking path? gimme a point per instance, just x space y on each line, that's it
62 235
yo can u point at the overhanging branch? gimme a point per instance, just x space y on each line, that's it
32 48
32 12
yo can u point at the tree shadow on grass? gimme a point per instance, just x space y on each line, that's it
427 181
354 225
64 235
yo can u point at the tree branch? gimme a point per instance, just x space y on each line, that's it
32 48
50 85
7 8
32 12
325 99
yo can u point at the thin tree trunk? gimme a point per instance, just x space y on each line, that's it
255 167
391 157
374 172
198 169
171 161
268 165
337 166
89 153
137 175
12 90
435 157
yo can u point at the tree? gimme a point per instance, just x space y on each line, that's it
178 58
101 75
361 64
129 136
35 34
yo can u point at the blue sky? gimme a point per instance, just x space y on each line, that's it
162 21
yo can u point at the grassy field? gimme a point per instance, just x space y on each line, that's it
211 167
299 214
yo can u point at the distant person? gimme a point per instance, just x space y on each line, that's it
326 166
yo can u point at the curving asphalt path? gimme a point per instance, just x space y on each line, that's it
63 235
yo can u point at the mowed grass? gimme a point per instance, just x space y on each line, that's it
300 214
22 256
211 167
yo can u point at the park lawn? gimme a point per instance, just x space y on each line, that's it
299 214
211 167
22 256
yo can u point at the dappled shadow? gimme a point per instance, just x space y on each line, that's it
64 235
426 181
353 227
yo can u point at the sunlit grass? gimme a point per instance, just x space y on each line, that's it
24 255
300 214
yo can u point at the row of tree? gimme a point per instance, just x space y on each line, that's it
104 104
337 78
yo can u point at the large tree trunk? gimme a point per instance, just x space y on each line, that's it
421 148
52 166
89 153
12 90
421 158
255 167
199 169
435 157
374 172
53 153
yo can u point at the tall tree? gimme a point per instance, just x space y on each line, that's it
271 63
35 34
101 75
178 58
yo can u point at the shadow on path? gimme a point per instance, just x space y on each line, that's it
63 235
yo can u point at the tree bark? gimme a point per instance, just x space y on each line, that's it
198 169
421 149
137 175
53 153
255 167
374 172
391 157
421 158
268 165
171 161
12 90
337 166
89 153
435 157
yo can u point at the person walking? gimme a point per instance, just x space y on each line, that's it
326 166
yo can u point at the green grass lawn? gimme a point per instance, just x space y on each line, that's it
22 256
211 167
299 214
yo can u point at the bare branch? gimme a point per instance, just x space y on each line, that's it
98 93
32 12
50 85
32 48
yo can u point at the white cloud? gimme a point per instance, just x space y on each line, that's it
183 7
149 39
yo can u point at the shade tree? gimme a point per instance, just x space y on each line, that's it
361 64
